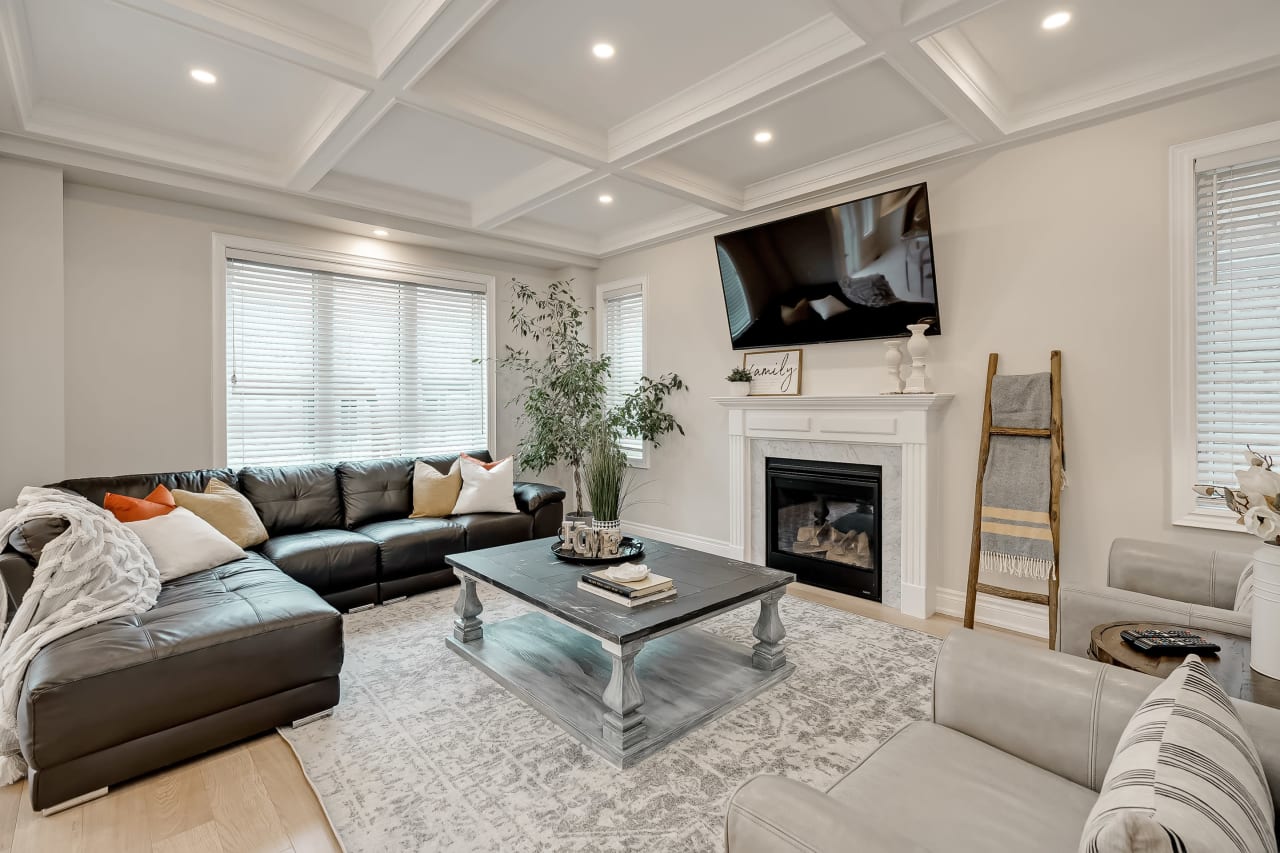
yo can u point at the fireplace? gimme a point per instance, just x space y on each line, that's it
823 523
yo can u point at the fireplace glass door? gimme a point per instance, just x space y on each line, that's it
823 523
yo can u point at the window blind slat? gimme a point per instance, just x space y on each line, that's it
1237 316
324 366
624 344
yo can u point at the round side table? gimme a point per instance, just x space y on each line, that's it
1229 667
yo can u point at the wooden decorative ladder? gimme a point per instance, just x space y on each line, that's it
1054 434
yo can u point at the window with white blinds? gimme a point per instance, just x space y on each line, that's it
1237 315
324 365
621 313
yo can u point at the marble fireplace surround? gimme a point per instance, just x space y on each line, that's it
897 432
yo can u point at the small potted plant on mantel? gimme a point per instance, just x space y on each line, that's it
1257 502
739 382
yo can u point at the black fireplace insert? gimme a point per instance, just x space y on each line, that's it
823 523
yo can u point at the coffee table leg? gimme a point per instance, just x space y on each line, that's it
467 627
624 725
769 654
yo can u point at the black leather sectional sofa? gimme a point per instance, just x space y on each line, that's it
257 643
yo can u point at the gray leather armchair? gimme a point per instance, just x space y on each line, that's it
1019 744
1155 582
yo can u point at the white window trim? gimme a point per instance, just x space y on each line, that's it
1184 511
251 248
603 291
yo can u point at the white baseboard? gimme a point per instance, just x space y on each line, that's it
1012 615
719 547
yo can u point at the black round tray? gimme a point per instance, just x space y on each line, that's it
628 550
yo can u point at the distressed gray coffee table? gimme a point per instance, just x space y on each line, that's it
624 681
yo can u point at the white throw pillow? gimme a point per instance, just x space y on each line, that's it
487 489
828 307
183 543
1185 777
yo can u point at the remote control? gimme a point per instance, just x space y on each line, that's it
1169 642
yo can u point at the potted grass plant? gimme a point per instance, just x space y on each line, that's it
606 475
739 382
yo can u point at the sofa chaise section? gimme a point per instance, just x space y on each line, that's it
225 654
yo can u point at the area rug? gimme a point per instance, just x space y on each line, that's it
425 752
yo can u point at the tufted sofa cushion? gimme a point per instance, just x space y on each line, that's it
375 490
293 498
215 640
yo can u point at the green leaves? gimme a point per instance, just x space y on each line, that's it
562 403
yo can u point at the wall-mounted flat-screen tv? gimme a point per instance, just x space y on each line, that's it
859 270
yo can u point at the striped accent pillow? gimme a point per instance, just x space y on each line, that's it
1185 777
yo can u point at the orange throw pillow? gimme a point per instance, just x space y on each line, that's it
124 508
488 466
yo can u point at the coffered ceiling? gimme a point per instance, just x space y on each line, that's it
495 118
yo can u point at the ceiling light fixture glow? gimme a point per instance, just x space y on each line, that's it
1056 21
763 137
208 78
603 50
606 199
380 232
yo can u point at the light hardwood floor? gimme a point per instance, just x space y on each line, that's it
253 797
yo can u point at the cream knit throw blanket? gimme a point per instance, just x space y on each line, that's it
1016 535
97 570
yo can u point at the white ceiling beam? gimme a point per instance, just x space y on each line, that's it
347 62
813 53
692 187
524 193
444 27
489 111
17 61
878 24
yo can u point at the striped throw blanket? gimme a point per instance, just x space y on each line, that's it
1016 538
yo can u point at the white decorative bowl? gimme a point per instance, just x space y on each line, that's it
628 572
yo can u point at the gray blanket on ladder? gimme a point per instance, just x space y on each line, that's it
1016 537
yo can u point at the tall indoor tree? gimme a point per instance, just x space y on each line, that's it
563 401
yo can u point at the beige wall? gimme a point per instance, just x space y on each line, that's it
31 345
1057 243
139 325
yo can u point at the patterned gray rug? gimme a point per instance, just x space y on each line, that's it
425 752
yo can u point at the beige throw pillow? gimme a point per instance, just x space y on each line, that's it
434 494
227 511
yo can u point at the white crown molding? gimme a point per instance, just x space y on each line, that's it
744 86
526 192
393 200
57 123
907 149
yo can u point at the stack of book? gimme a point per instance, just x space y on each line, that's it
627 593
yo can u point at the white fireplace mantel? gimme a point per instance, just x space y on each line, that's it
908 421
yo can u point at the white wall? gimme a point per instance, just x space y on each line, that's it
1061 243
31 344
139 326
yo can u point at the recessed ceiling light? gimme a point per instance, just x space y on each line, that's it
380 232
603 50
605 198
1056 20
208 78
763 136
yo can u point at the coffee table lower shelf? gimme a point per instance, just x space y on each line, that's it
688 678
